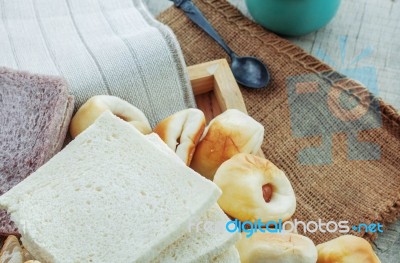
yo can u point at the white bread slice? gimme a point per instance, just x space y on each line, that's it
109 196
204 241
198 244
229 256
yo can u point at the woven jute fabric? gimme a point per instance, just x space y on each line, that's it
338 144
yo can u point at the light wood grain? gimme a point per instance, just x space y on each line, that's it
216 89
216 77
370 27
365 24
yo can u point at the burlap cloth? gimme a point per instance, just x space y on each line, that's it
339 146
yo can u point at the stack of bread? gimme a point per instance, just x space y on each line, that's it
120 193
114 195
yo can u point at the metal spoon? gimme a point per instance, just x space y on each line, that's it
248 71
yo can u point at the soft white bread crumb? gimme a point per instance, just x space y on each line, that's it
204 240
229 256
206 236
109 196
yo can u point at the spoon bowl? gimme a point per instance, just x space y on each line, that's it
250 72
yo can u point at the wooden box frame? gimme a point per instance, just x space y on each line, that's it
216 89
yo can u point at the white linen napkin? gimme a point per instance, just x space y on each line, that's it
101 47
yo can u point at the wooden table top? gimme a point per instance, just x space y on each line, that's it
363 42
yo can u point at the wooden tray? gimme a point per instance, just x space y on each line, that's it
216 89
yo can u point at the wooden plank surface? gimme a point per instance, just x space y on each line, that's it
363 42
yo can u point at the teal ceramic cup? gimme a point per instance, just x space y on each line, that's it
293 17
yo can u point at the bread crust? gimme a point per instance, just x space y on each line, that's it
346 249
182 131
242 179
228 134
11 250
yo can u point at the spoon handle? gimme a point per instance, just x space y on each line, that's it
198 18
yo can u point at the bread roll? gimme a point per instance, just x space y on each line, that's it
289 228
182 131
346 249
11 251
95 106
228 134
27 256
253 188
276 248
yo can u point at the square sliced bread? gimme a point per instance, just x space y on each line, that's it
109 196
204 241
35 111
206 236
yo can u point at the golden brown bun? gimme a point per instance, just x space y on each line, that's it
11 251
95 106
182 131
290 228
346 249
32 261
228 134
254 188
276 248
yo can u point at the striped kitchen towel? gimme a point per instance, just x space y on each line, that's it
101 47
